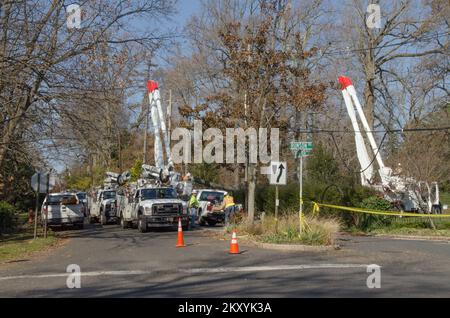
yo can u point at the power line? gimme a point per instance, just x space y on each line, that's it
346 51
316 131
371 162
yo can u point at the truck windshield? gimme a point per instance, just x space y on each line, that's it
211 196
61 199
159 193
109 195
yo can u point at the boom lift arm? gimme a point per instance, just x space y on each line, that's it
404 190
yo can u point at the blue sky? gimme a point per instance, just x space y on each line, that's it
185 9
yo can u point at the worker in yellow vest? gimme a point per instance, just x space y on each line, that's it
228 203
193 206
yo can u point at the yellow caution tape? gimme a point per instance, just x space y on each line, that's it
316 208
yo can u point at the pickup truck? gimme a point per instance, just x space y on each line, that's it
63 209
149 206
103 207
209 210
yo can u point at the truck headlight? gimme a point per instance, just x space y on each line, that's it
148 210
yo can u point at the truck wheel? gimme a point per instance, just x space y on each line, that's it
123 223
212 223
102 219
142 225
202 222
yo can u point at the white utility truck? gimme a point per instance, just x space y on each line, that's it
210 210
404 192
103 206
151 206
63 209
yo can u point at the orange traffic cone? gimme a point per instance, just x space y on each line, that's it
180 235
234 247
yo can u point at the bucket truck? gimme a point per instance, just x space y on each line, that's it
102 202
404 192
153 201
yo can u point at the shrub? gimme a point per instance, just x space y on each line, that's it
369 221
319 231
8 220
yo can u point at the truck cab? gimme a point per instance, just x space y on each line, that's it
103 207
152 207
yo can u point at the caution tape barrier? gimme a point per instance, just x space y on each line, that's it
316 209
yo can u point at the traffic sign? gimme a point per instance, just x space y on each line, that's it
278 172
41 185
301 148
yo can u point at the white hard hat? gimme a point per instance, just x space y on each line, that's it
194 191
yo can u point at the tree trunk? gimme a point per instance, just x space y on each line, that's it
251 186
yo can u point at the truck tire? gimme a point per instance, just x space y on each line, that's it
212 223
142 225
123 223
102 219
202 222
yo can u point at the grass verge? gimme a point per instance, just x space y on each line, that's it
21 244
316 231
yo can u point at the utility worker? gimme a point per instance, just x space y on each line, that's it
228 203
193 206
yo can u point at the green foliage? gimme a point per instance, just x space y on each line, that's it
367 222
15 175
76 182
206 171
136 170
8 220
322 167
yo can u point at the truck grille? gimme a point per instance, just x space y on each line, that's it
164 209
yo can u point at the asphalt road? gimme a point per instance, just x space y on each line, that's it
126 263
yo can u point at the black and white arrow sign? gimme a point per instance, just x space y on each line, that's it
278 172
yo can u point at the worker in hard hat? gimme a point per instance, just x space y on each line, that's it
193 206
228 204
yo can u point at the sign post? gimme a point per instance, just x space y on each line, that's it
301 149
301 195
37 203
278 173
46 207
41 183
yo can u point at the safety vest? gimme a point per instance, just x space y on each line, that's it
229 201
193 202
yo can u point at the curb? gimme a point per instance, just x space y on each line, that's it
415 237
246 240
295 247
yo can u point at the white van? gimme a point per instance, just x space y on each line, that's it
63 209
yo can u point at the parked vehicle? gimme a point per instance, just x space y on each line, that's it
151 206
103 207
82 197
210 210
63 209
